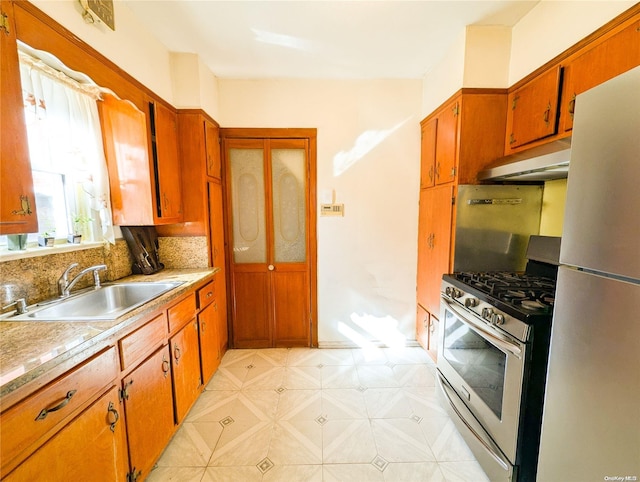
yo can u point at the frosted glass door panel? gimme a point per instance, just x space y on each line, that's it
288 177
248 205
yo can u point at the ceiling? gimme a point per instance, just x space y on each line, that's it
319 39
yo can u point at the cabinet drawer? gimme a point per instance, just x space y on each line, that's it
25 423
181 313
143 341
206 294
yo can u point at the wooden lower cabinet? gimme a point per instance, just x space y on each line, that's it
148 402
91 447
210 353
422 327
434 329
185 369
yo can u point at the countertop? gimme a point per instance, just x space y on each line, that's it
32 349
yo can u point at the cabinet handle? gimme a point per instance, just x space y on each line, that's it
209 294
203 325
176 353
431 174
125 393
45 411
165 366
512 139
438 170
547 114
4 22
572 106
113 416
25 205
514 102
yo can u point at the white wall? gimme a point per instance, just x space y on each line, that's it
553 26
368 152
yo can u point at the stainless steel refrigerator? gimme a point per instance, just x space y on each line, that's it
591 421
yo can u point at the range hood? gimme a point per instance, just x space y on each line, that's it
544 163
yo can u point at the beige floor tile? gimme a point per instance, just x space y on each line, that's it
401 440
315 357
414 472
242 443
424 402
414 375
387 403
232 474
276 357
403 355
351 473
294 473
463 472
343 403
296 442
299 405
446 443
377 376
192 445
264 377
347 442
302 377
176 474
227 378
369 356
340 376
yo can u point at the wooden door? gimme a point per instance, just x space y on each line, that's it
268 199
447 142
148 402
17 200
185 359
91 447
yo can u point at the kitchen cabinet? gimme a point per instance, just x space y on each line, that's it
17 200
428 131
163 124
185 368
96 435
210 350
612 54
533 109
447 130
433 329
148 402
29 423
145 189
434 244
217 254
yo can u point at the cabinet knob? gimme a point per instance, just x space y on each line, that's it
165 366
271 267
113 416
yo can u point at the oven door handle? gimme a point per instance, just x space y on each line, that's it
485 441
494 337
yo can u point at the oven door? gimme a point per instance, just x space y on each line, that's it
485 367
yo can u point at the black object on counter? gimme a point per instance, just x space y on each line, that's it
143 245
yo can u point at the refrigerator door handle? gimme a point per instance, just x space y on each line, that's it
484 441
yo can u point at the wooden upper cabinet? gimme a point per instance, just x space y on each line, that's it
428 131
533 109
612 55
166 164
17 200
212 145
447 142
145 187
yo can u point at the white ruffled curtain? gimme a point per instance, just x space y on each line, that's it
67 136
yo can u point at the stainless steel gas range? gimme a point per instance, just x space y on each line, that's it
492 358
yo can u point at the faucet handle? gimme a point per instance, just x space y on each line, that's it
20 304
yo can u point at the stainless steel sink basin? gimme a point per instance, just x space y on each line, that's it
104 304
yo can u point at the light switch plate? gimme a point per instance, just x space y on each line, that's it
332 210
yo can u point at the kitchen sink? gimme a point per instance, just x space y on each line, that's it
104 304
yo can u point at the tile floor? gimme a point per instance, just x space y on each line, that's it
319 415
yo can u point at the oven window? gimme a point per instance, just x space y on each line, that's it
477 361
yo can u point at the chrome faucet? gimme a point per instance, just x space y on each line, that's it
64 285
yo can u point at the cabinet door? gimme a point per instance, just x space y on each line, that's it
428 132
166 164
422 327
435 260
148 402
212 145
209 342
17 200
91 447
425 236
607 59
447 142
185 359
533 109
124 134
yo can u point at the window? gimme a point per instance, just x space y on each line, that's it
65 147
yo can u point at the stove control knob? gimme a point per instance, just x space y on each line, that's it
471 302
497 319
456 293
486 313
448 290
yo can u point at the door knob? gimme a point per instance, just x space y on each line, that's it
271 267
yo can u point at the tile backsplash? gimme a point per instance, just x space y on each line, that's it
35 278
